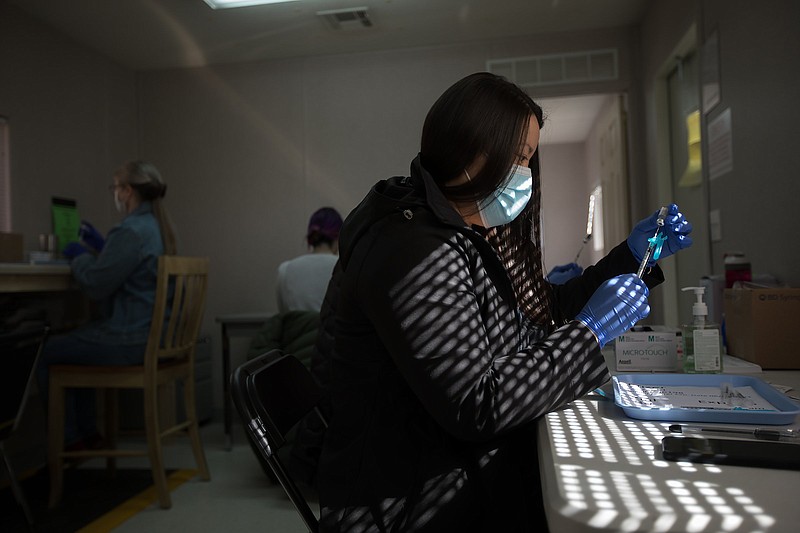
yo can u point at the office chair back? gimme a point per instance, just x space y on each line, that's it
273 393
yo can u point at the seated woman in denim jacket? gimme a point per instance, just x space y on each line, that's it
119 271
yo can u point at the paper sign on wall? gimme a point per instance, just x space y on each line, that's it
720 145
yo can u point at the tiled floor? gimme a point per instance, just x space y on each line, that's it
239 496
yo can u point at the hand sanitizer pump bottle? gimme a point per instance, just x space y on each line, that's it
702 343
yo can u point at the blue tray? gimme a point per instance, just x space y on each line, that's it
785 409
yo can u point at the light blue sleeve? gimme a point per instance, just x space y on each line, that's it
102 275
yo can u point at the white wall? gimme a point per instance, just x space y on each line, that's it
250 150
759 77
72 119
664 26
273 141
759 71
565 197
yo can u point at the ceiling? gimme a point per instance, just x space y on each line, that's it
161 34
150 34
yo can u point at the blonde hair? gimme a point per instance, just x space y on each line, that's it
145 179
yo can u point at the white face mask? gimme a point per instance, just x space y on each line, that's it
507 203
119 204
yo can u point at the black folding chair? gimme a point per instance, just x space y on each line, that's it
273 393
20 352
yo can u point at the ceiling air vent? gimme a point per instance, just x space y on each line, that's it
346 19
557 69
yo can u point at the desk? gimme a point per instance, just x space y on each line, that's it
25 277
47 290
603 471
231 325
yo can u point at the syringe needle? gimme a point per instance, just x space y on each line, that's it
651 243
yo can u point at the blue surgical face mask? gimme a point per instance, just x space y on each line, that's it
507 203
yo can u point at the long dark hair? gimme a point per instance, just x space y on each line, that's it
486 115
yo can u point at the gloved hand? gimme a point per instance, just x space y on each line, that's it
91 236
615 307
560 274
676 229
73 250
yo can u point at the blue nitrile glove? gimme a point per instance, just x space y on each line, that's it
676 229
73 250
91 236
615 307
561 274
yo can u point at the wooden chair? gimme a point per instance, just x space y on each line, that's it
169 357
273 393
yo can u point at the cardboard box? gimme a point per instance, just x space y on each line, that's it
11 248
647 351
761 326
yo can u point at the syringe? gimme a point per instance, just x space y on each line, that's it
653 241
589 223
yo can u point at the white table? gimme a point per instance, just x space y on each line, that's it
603 471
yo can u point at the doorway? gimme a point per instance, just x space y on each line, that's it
686 176
583 152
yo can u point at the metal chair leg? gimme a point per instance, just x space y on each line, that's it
55 440
15 488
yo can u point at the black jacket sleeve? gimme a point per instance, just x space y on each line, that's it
433 310
573 295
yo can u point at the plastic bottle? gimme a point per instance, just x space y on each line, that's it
737 268
702 342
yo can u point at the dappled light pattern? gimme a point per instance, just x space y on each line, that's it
501 378
481 371
610 474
